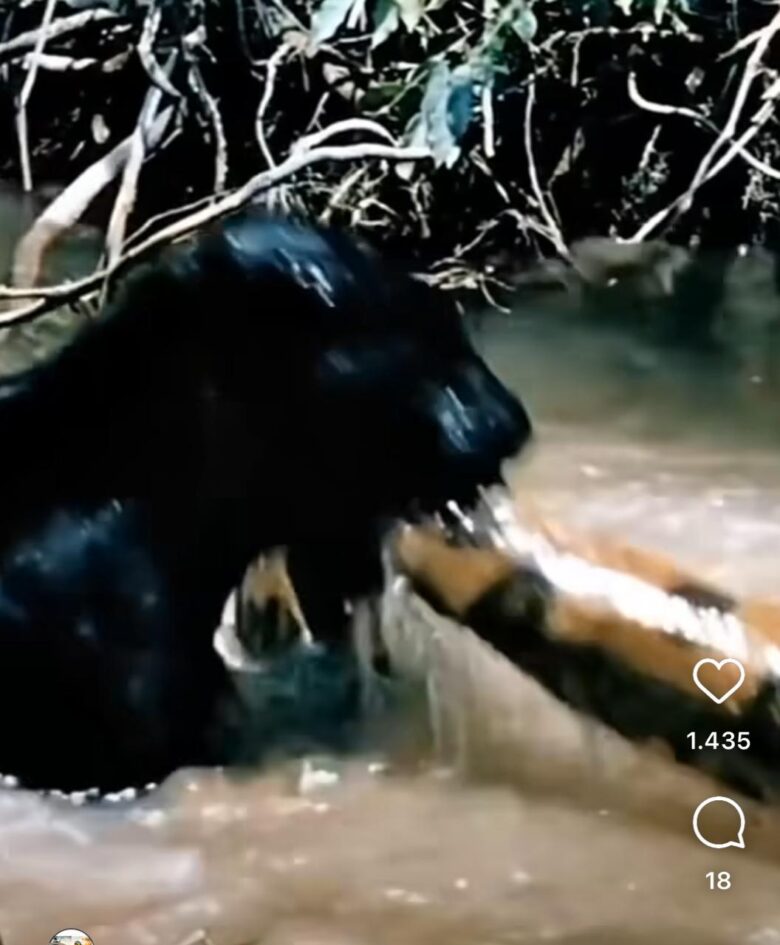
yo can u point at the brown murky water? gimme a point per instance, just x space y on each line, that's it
525 824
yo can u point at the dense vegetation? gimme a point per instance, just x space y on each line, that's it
460 128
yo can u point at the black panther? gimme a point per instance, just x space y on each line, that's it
269 383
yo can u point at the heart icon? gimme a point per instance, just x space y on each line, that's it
718 665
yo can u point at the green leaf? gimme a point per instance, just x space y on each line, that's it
438 134
445 113
386 17
460 104
356 14
411 12
328 17
379 94
659 10
525 24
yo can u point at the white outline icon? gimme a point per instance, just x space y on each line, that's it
718 665
71 937
739 842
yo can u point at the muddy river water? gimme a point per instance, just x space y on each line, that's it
527 825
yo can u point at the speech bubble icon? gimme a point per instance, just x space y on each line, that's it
718 664
739 842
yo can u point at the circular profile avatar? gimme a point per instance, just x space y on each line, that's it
71 937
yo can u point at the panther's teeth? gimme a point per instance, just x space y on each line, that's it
116 797
465 520
80 798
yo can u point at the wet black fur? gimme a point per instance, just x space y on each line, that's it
270 384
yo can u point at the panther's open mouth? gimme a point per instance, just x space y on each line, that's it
81 798
452 503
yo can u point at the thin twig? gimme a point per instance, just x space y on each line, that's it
271 70
339 194
339 128
552 226
157 75
24 97
758 120
212 110
529 224
743 43
482 232
644 30
659 108
52 296
56 63
182 210
707 168
139 146
649 148
751 71
19 45
63 212
319 108
488 122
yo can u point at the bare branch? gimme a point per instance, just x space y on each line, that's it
63 212
488 122
139 145
758 120
307 142
156 218
154 70
272 68
659 108
529 224
643 30
24 97
708 167
662 109
338 197
743 43
551 226
220 141
55 63
59 28
53 296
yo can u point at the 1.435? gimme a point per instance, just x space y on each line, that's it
728 741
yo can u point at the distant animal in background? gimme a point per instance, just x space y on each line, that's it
175 438
674 293
649 268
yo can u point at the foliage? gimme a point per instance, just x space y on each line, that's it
547 120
